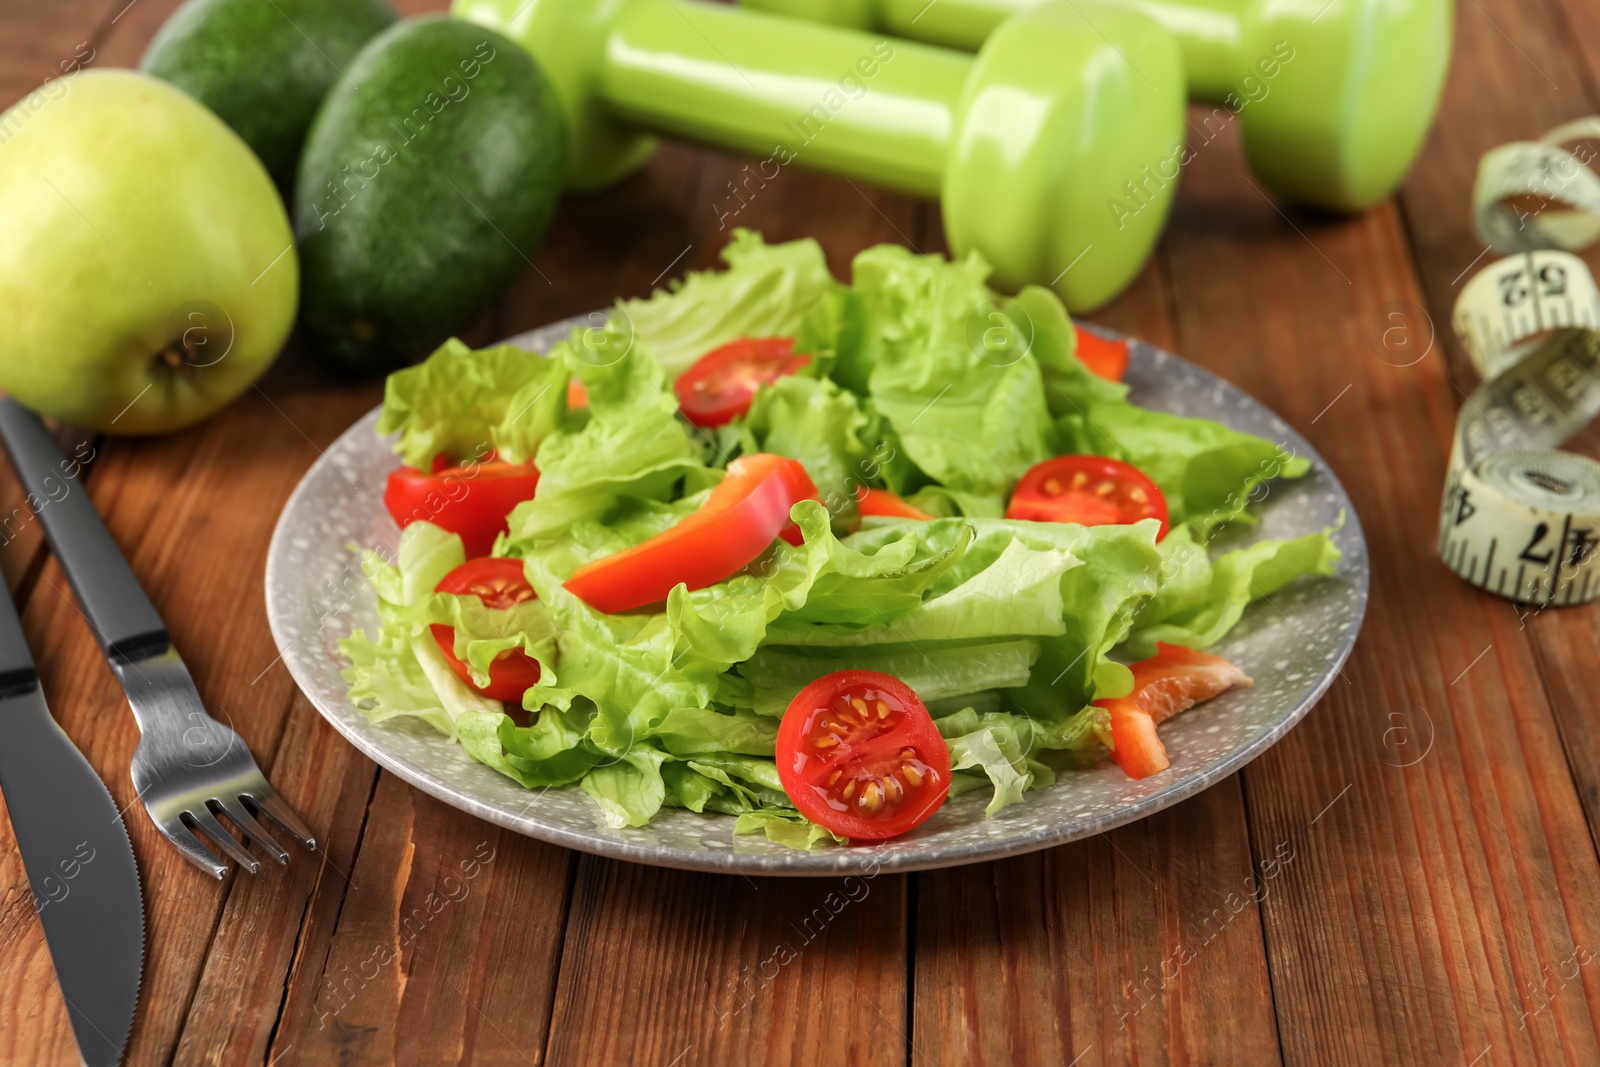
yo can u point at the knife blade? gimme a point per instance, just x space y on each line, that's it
77 855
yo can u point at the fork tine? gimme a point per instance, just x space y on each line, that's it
268 802
242 818
224 840
178 832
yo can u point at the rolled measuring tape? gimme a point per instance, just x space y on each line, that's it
1519 518
1541 194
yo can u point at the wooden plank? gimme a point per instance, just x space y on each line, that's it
1428 892
672 967
443 948
1544 66
1580 31
1138 946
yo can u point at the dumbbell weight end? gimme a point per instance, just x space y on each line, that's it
1053 152
1333 97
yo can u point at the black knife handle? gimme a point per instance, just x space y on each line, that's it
123 619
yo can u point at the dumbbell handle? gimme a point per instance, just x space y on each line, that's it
843 101
1208 32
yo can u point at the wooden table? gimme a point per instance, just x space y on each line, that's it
1409 877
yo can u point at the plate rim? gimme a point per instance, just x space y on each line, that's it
845 859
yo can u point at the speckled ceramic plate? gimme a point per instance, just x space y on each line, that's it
1292 645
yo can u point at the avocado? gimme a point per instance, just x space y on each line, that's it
428 181
264 65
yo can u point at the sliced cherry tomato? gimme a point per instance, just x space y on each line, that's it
1091 490
721 384
472 500
858 753
1108 359
499 584
1173 680
883 502
736 524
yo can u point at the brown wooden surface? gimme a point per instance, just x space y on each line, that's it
1407 878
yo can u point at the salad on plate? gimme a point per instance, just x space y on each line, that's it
812 555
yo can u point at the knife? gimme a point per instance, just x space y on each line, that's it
76 852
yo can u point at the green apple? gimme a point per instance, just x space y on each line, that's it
147 268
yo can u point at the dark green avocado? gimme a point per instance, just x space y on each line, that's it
428 181
264 65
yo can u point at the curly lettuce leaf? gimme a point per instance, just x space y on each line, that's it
1073 589
1201 599
765 292
461 403
1206 471
951 373
818 423
631 446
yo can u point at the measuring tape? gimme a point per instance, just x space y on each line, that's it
1541 194
1519 518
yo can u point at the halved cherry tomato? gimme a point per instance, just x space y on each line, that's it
1173 680
721 384
1091 490
1108 359
499 584
858 753
883 502
736 524
472 500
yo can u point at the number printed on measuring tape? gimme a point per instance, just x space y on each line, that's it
1520 518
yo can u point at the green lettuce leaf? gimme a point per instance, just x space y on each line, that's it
631 446
1074 589
461 403
1201 599
1206 470
764 293
951 373
787 827
818 423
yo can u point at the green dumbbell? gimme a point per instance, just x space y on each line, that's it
1025 144
1334 97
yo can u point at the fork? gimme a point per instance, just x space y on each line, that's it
188 768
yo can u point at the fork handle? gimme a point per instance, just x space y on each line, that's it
124 621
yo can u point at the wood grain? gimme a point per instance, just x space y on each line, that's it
1142 945
1411 876
1428 891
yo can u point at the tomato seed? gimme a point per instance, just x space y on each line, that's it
872 797
1052 486
883 710
1105 488
859 704
892 787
